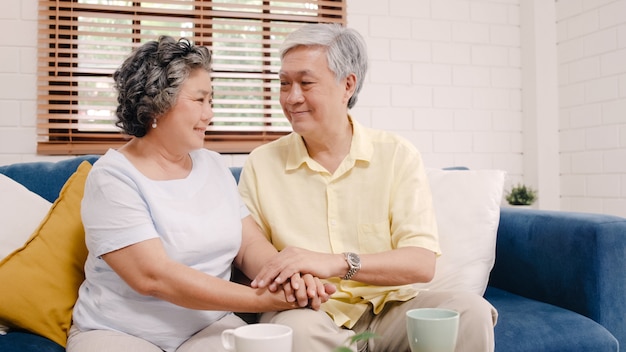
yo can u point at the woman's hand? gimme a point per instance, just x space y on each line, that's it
307 290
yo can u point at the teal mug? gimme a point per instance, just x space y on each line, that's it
432 329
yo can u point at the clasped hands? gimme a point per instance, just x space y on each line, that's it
298 272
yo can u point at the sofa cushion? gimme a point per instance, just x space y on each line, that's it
467 207
44 177
21 211
526 325
40 281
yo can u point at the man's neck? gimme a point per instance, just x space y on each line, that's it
331 150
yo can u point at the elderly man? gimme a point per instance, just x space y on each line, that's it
350 205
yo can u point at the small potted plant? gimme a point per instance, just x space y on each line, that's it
521 194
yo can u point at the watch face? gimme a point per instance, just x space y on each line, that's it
354 259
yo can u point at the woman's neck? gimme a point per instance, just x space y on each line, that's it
155 161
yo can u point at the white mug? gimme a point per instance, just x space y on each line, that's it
258 338
432 329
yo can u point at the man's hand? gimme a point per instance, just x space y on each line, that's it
292 260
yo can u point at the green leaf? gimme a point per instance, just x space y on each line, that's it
366 335
342 349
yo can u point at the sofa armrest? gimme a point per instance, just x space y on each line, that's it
573 260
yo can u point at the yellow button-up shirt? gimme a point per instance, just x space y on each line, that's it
377 200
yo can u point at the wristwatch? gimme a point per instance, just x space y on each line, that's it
354 262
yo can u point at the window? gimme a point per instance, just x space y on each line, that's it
82 42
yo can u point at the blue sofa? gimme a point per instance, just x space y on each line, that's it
559 280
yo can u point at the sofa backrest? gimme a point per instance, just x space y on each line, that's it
44 177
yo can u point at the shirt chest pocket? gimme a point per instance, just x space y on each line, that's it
375 237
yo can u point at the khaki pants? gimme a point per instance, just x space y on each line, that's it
208 339
315 331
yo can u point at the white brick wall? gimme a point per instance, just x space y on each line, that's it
592 70
18 23
452 68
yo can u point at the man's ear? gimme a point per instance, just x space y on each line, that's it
350 86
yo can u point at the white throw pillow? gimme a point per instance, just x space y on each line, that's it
21 212
467 207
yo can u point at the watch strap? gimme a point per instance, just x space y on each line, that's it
353 269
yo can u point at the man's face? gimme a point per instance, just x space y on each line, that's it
312 99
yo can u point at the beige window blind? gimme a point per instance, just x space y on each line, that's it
82 42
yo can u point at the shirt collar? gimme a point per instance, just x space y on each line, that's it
361 148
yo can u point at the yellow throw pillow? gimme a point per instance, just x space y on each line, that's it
40 281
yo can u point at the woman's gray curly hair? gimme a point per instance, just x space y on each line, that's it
346 51
149 80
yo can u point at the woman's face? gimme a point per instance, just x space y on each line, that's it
186 122
312 100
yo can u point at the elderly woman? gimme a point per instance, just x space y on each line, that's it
164 221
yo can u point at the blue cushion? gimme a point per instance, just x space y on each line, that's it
526 325
45 178
17 341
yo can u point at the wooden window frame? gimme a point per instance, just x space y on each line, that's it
63 82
